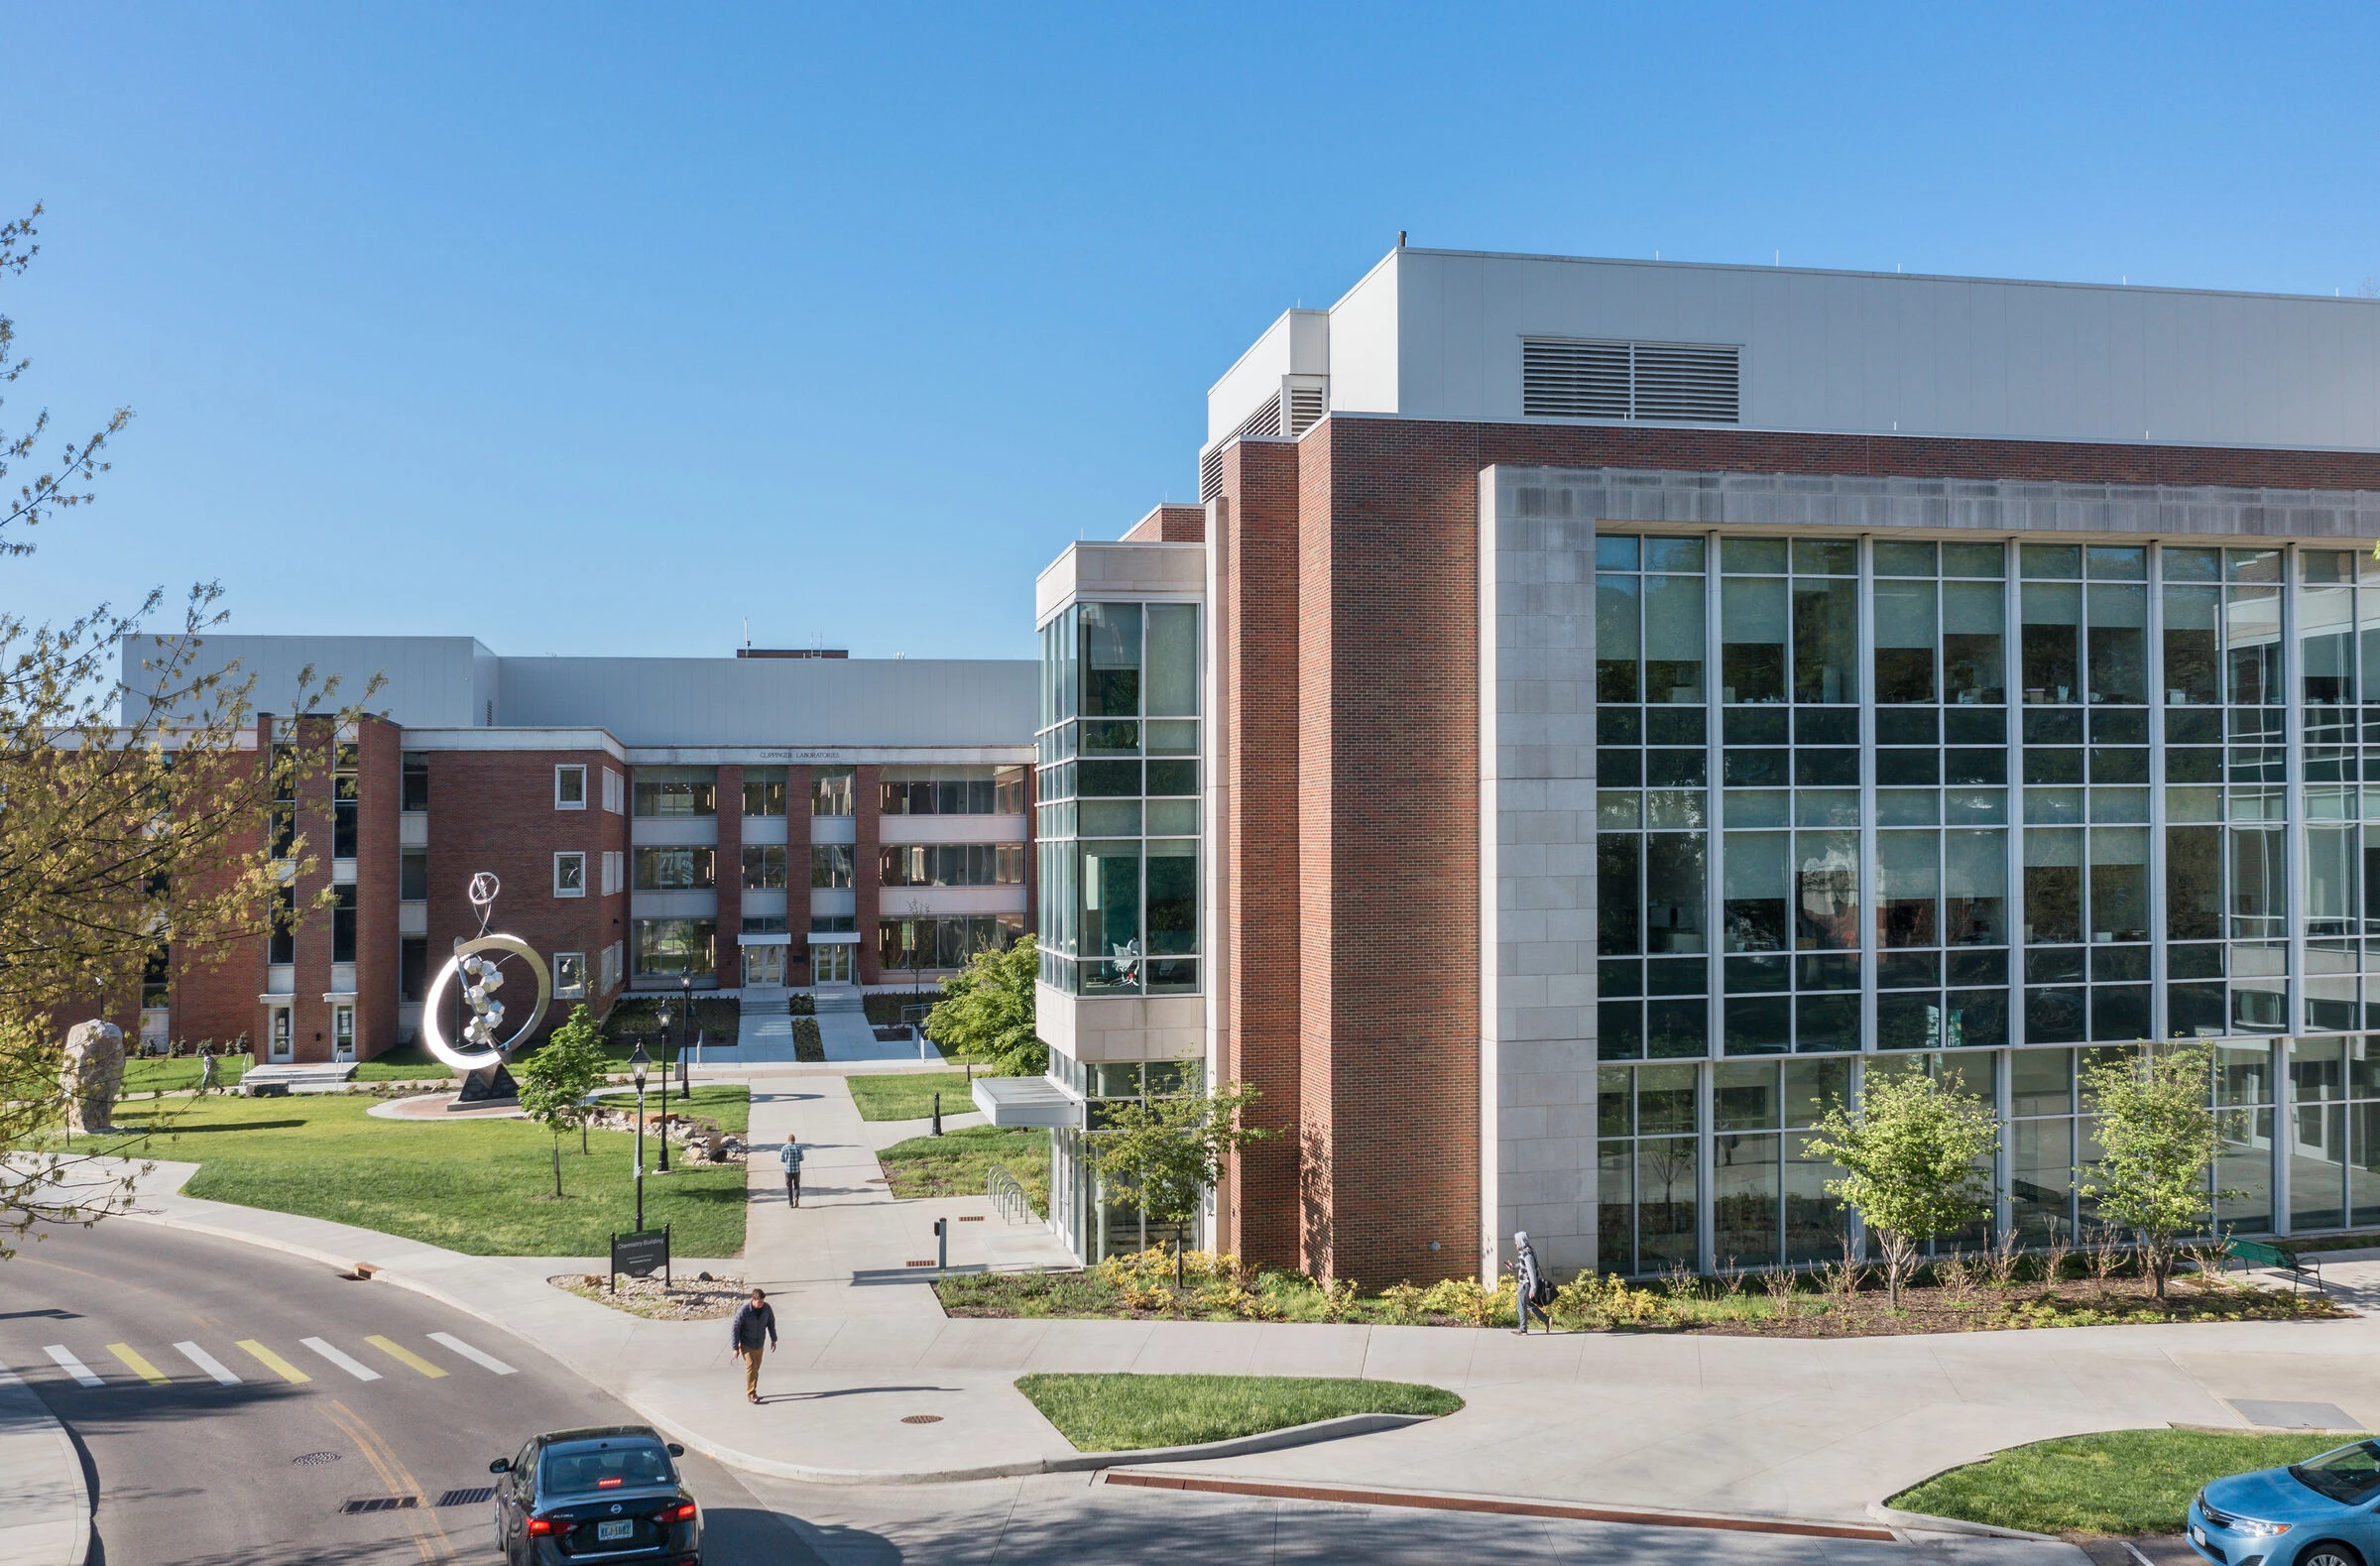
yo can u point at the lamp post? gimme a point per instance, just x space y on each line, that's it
636 1065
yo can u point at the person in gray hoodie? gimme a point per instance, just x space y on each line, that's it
1531 1276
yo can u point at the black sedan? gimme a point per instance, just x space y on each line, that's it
608 1494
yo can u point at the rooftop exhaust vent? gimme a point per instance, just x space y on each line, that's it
1682 382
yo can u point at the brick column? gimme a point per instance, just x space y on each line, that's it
1253 747
379 763
309 1019
729 968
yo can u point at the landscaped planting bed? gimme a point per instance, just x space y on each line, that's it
958 1163
1121 1413
1837 1303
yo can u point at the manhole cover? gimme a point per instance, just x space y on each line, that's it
313 1459
921 1418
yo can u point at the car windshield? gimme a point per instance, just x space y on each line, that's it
576 1467
2350 1475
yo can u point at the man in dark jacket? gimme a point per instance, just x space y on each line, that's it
755 1322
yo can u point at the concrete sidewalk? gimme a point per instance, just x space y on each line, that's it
1801 1428
47 1519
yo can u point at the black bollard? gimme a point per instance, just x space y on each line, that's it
938 1130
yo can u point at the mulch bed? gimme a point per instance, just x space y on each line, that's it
710 1298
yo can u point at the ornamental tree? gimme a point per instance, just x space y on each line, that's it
555 1083
985 1012
1909 1159
133 809
2156 1130
1163 1153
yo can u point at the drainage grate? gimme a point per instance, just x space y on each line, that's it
921 1418
382 1504
467 1498
313 1459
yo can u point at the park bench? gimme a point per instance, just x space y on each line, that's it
2250 1253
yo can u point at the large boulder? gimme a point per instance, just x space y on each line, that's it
93 1074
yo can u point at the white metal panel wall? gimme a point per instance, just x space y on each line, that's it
429 682
660 701
1876 352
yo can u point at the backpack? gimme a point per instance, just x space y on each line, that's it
1543 1293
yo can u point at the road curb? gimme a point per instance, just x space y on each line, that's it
46 1515
1922 1522
1080 1462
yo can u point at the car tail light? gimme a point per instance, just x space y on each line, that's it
683 1512
541 1524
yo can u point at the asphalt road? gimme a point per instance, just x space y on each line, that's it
193 1470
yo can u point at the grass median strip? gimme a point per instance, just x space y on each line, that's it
2125 1482
1131 1414
484 1187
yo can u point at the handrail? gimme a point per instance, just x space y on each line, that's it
1007 1196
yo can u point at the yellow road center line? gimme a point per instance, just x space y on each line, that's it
403 1356
430 1539
138 1366
273 1362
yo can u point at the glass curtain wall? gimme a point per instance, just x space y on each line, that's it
1922 798
1119 827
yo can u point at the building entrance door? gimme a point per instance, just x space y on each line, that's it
764 965
280 1036
830 964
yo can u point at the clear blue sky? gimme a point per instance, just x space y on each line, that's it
597 328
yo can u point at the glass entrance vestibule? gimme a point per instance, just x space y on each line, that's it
1706 1163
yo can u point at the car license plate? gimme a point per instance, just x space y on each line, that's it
2197 1536
606 1533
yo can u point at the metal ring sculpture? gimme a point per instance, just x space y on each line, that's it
482 978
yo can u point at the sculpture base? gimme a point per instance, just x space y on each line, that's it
486 1088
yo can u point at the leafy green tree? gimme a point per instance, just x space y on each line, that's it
985 1012
2156 1130
1163 1153
556 1081
1910 1159
134 806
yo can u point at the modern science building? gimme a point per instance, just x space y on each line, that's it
1602 710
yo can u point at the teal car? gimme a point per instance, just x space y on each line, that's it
2318 1513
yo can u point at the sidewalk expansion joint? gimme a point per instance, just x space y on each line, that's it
1493 1505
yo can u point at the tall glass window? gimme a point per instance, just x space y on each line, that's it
1118 798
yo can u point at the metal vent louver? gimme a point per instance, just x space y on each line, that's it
1305 408
1266 421
1688 382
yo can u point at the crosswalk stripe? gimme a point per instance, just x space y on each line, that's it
273 1362
353 1366
207 1361
72 1366
402 1355
138 1366
485 1360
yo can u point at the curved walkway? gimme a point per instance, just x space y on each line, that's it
1806 1429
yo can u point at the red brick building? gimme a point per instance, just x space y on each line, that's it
759 824
1857 556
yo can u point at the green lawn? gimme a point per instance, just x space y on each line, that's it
2127 1482
895 1095
481 1187
957 1162
175 1073
1128 1413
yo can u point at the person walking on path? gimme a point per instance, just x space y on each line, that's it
755 1324
791 1157
206 1067
1536 1289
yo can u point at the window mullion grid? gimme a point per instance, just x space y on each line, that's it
2293 751
2153 660
1705 1170
1713 819
2012 671
1864 657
